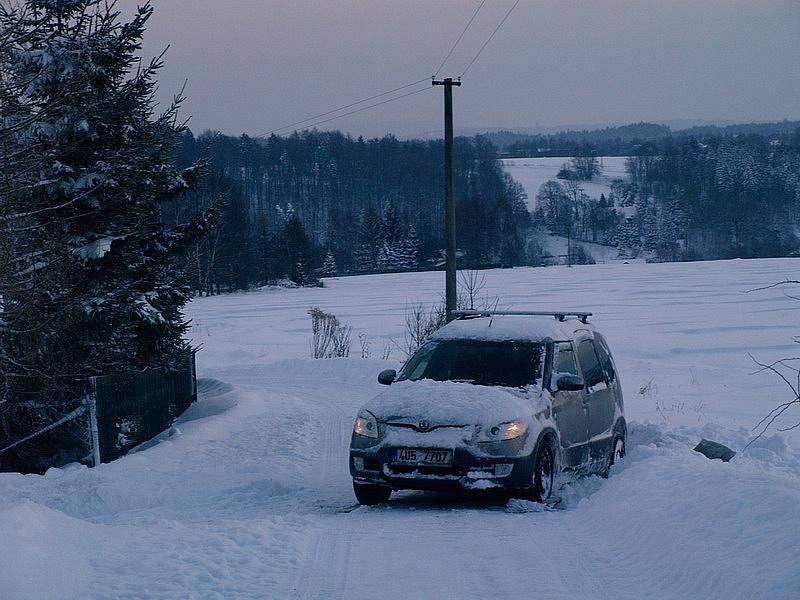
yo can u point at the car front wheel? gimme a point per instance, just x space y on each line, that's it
544 473
369 494
617 450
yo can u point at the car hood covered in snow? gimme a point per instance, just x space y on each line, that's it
451 403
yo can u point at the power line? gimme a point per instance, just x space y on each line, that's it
346 106
307 121
475 14
358 110
486 43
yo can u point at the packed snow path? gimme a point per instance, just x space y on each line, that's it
249 495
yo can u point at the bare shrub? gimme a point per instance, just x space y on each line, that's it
786 370
363 341
421 324
330 339
471 283
423 321
387 351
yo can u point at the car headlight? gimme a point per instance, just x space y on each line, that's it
503 431
366 424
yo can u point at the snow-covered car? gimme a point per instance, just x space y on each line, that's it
493 401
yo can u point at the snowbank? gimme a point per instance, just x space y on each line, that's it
44 553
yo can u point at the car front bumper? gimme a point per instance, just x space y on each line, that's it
470 470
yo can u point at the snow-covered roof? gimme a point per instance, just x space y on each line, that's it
510 327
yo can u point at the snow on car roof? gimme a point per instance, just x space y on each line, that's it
506 327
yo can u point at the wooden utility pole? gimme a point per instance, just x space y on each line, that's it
449 202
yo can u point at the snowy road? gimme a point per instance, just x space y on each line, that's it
249 495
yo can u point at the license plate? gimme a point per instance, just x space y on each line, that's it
421 456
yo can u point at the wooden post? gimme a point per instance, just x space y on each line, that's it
449 201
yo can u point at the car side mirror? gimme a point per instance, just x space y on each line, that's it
565 382
387 376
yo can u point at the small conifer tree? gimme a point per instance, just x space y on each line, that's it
329 268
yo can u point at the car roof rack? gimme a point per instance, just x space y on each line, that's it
559 315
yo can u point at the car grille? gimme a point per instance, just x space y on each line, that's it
427 429
421 471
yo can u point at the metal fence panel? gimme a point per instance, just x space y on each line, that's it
110 415
134 407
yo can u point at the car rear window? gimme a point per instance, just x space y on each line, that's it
590 365
605 357
511 364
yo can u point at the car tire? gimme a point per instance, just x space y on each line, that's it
370 495
544 472
617 453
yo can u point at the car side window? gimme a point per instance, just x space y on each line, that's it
605 358
590 365
565 360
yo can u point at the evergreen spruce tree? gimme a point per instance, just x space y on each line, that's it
670 230
384 262
391 226
393 250
628 240
650 224
298 249
411 250
370 242
93 285
329 268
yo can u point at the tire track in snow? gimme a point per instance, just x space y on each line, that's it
325 572
332 450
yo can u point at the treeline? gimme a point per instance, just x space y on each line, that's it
318 203
627 140
722 197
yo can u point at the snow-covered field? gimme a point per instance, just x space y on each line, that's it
249 495
556 245
531 173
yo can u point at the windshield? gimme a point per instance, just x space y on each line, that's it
510 364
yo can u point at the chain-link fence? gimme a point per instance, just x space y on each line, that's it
92 419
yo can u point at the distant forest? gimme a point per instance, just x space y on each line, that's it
723 197
316 204
323 203
628 140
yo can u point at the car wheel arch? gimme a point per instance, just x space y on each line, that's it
549 436
621 427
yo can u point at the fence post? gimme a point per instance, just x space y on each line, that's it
193 375
91 398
